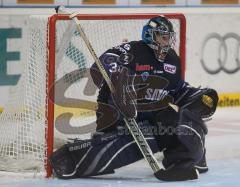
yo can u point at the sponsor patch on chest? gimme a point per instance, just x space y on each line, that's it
169 68
155 94
142 67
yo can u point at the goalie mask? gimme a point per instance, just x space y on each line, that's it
158 33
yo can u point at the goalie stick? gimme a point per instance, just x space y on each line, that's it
131 122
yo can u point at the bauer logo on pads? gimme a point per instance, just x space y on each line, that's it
169 68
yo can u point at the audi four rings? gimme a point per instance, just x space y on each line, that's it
222 53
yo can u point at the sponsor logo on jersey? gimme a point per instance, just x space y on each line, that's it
145 76
157 71
156 94
143 67
169 68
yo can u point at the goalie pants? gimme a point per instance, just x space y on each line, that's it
106 152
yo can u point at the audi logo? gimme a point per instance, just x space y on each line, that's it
223 51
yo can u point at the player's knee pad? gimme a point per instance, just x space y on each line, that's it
191 133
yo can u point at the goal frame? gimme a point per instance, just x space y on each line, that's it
51 48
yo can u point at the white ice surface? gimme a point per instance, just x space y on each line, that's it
223 153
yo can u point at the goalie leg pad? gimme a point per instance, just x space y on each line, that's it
97 156
191 133
63 164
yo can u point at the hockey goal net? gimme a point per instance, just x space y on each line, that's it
55 99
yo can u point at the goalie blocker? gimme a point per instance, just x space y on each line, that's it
105 152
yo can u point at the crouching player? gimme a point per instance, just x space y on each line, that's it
147 78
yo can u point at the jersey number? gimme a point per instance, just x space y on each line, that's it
113 67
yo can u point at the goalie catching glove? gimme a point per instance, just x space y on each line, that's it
201 101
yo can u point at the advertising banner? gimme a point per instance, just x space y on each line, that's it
99 3
35 1
13 52
109 2
213 54
156 2
220 1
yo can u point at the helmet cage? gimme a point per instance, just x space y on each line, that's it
163 40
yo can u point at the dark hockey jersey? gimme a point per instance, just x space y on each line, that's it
158 80
140 59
